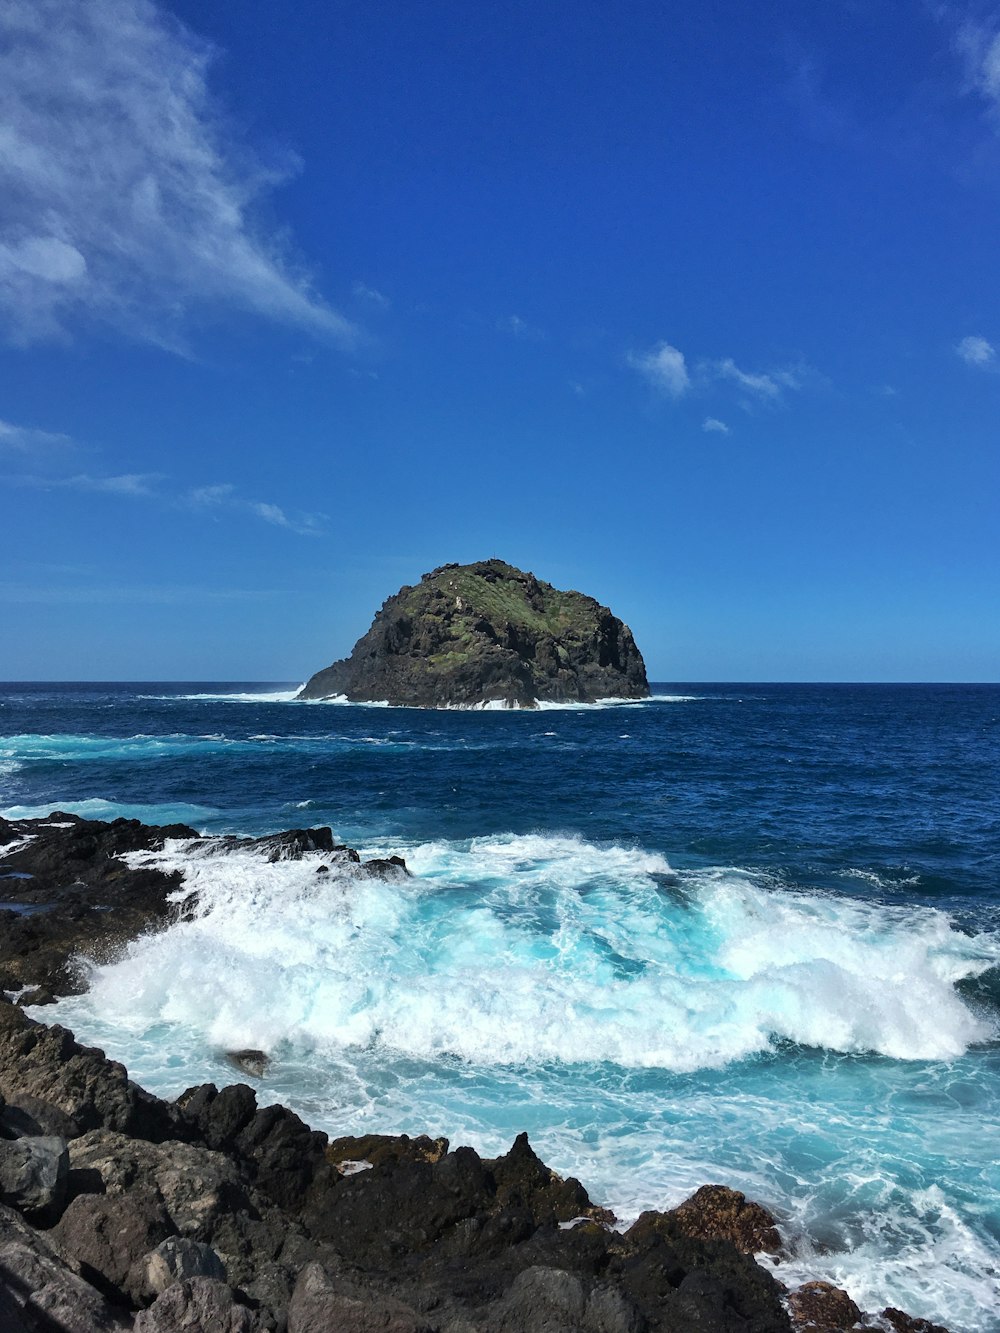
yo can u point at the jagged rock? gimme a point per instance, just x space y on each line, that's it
905 1323
716 1212
522 1178
487 633
286 1155
320 1304
820 1307
46 1294
90 903
74 865
197 1186
251 1062
107 1237
219 1116
198 1305
28 1115
378 1148
47 1063
34 1176
550 1300
385 867
176 1259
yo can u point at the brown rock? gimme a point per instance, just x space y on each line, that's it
716 1212
905 1323
820 1307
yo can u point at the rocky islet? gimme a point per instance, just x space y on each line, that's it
487 634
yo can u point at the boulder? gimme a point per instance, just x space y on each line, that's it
321 1304
45 1294
34 1176
550 1300
716 1212
176 1259
107 1238
198 1305
820 1307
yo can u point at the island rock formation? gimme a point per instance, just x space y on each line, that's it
487 633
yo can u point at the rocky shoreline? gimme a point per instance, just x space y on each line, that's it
120 1210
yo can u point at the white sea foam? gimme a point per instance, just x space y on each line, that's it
239 697
548 983
488 706
543 948
96 807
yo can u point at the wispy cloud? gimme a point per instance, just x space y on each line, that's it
766 387
713 426
978 43
135 484
225 496
517 327
371 294
664 367
123 197
29 440
976 351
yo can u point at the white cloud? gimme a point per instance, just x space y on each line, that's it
211 495
520 328
224 496
664 367
372 294
712 425
26 439
979 46
132 484
766 387
976 351
122 196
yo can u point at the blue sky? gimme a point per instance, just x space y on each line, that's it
692 307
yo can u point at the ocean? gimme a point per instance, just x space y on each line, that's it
746 934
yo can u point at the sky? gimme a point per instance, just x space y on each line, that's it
690 306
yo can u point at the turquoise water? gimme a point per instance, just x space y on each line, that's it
745 934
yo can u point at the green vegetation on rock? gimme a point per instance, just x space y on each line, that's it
487 633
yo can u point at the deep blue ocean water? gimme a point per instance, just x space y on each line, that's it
737 933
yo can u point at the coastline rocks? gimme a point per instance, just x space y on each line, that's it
487 633
67 893
241 1220
198 1305
716 1212
820 1307
178 1259
34 1176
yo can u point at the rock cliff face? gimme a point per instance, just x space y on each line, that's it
487 633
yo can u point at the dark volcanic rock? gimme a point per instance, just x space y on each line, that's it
70 894
198 1305
34 1176
485 633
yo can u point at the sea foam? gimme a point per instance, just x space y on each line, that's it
519 949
